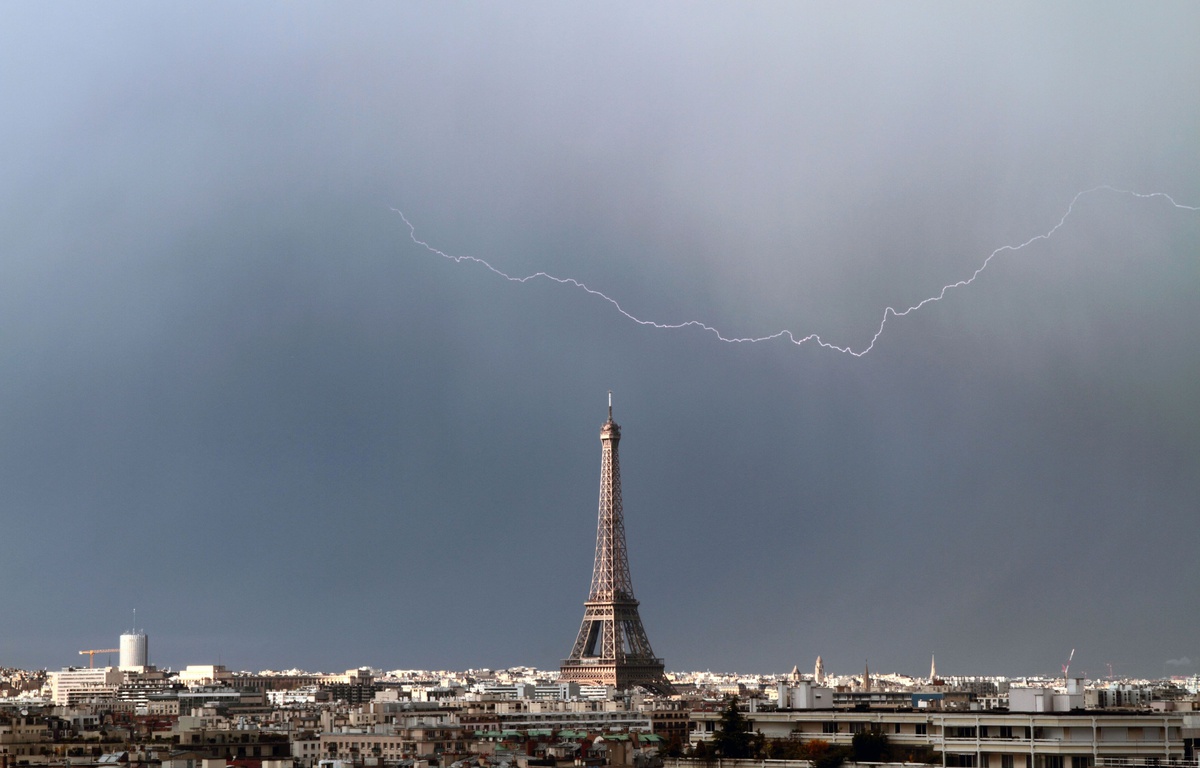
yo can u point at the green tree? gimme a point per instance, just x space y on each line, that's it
674 746
733 738
822 754
758 743
785 749
833 757
871 747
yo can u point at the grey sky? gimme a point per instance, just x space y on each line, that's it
238 398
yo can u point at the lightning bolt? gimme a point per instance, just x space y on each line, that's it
888 312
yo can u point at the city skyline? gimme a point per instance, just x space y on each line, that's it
240 399
886 678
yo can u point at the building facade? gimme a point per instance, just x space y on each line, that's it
1078 739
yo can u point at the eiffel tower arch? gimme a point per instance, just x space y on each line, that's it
612 647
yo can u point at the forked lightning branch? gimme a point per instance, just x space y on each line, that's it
791 336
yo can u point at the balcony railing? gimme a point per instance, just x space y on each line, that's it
1145 762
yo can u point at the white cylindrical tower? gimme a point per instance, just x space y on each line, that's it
134 649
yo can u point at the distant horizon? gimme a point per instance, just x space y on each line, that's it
807 672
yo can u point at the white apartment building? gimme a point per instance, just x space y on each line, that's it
1079 739
203 674
74 686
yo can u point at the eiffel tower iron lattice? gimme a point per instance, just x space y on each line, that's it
612 647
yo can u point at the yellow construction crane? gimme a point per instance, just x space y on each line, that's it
92 654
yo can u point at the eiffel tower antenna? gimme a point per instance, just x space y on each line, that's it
612 647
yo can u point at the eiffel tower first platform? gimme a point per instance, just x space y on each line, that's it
612 647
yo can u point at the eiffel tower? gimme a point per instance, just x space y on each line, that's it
612 648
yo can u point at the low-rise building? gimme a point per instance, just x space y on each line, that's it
1073 739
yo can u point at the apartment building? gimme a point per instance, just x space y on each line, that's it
990 739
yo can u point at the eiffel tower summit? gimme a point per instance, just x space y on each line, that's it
612 647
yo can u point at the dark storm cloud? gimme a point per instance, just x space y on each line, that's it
239 399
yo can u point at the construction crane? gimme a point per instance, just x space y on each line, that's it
91 654
1067 666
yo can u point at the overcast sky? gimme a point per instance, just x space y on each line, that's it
240 399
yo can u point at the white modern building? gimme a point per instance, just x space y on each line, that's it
135 648
804 694
1075 739
74 686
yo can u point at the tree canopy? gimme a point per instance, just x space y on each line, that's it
733 738
870 747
